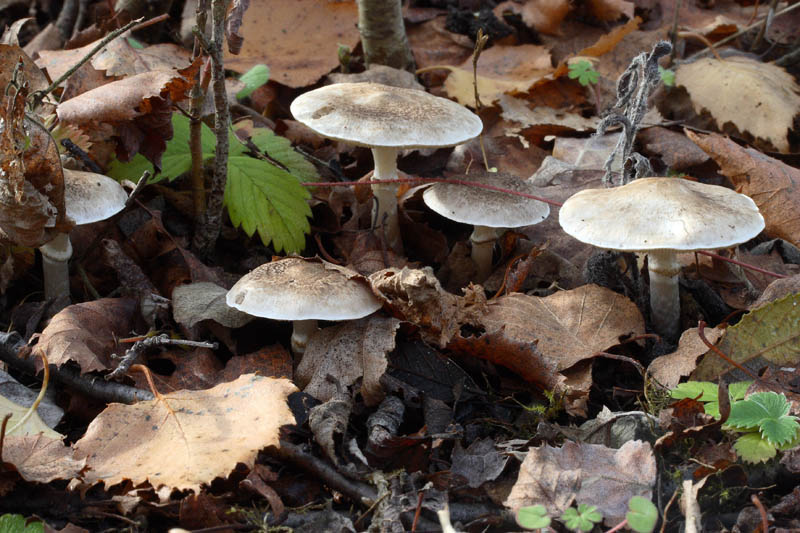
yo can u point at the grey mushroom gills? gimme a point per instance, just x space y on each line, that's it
663 268
55 264
482 240
302 331
386 210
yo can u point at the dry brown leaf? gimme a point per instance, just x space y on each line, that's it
416 296
771 184
569 326
204 300
39 459
518 110
501 70
677 152
544 16
670 368
611 10
585 473
354 350
86 333
193 439
760 99
302 42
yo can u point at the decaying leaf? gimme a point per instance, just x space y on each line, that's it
760 99
205 301
772 184
40 459
568 326
34 425
542 15
349 351
416 296
670 368
585 473
86 333
188 438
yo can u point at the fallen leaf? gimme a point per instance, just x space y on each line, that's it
611 10
771 184
188 438
479 463
568 326
302 42
517 110
351 351
670 368
726 88
585 473
542 15
194 302
86 333
34 425
39 459
677 151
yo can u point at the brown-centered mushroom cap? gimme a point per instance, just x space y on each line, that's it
91 197
485 207
371 114
303 289
659 214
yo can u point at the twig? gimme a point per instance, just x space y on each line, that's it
763 29
195 122
39 96
480 43
140 345
206 233
762 512
701 326
744 265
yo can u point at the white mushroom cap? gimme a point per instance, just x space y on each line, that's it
661 214
91 197
375 115
485 207
303 289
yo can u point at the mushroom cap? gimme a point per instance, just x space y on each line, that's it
375 115
485 207
91 197
661 214
303 289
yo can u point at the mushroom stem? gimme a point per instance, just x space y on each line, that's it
55 263
386 211
663 268
302 330
482 240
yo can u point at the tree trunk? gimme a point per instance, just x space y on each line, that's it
383 34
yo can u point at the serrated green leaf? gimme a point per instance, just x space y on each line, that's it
779 431
254 78
533 517
261 197
751 448
176 160
767 336
738 390
280 149
756 409
15 523
642 515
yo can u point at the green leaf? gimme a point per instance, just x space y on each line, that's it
584 72
667 76
582 519
751 448
15 523
759 407
254 78
642 515
134 43
703 391
280 149
177 158
533 517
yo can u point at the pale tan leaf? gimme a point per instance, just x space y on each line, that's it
193 439
32 426
569 326
670 368
86 333
41 459
349 351
542 15
204 300
760 99
585 473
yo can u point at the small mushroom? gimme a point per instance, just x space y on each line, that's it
386 119
486 210
661 217
303 291
88 197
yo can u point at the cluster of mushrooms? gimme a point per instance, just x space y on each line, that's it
657 216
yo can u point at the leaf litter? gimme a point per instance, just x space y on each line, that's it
454 391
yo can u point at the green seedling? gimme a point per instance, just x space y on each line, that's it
667 76
254 78
584 72
581 519
15 523
533 517
642 515
763 418
262 195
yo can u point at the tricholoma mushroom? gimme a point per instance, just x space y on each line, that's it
386 119
662 217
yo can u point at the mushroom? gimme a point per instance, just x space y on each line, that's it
386 119
88 197
486 209
303 291
661 217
